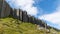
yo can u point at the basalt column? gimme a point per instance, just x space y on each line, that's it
11 12
17 14
20 15
25 18
7 9
33 19
1 2
1 8
4 12
29 18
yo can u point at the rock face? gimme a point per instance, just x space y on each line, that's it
20 15
24 15
4 9
1 1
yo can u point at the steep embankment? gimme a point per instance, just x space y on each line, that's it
10 25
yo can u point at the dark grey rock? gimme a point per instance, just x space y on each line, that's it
17 14
5 9
20 13
25 18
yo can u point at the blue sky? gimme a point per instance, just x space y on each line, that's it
47 10
48 6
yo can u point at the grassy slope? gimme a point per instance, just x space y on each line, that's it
10 25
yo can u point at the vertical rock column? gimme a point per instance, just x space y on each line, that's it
2 8
25 18
29 18
17 14
11 12
20 14
33 19
1 2
5 9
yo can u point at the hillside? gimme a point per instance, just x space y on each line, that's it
10 25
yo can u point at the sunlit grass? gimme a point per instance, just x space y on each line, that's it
10 25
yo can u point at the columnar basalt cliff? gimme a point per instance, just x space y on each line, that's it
6 10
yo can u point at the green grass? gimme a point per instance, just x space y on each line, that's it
10 25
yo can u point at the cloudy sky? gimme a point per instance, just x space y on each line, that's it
48 10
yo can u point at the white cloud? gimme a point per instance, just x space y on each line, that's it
54 18
25 5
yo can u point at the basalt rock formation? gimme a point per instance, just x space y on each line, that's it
6 10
